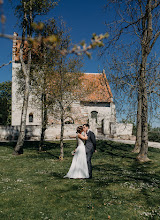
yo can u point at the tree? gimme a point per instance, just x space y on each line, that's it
66 83
139 20
5 103
66 89
27 10
43 61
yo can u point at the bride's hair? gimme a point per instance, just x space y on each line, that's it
79 129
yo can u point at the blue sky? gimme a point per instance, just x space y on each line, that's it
83 17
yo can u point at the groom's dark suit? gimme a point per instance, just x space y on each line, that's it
90 145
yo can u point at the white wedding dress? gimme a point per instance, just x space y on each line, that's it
79 167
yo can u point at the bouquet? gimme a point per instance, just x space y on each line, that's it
73 152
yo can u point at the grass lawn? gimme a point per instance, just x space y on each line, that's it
32 185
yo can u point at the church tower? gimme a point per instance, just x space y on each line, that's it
34 110
16 99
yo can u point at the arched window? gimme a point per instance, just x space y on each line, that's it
94 115
69 120
31 117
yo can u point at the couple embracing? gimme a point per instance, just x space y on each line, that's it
81 166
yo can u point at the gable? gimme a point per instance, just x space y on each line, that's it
99 86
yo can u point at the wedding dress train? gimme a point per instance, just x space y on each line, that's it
79 167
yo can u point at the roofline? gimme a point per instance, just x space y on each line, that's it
92 73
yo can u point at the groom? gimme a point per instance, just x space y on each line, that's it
90 145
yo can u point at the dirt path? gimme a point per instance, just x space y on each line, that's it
150 144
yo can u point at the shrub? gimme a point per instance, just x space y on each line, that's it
154 136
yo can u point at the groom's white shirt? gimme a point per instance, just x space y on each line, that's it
88 130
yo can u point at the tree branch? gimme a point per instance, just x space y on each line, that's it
155 38
8 36
6 64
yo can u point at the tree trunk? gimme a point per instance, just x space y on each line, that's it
61 138
26 70
44 121
138 131
142 156
146 48
19 146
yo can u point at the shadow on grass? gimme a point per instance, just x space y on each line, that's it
120 166
31 145
9 145
50 149
114 149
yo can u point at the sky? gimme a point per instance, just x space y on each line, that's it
82 17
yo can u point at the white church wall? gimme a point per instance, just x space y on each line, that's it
16 98
104 117
12 132
121 129
103 112
53 131
106 127
17 102
93 125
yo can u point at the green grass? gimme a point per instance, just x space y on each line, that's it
32 185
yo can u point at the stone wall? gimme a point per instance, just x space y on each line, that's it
121 129
11 133
53 131
33 132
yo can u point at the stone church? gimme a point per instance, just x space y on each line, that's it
97 109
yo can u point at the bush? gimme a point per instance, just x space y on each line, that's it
154 136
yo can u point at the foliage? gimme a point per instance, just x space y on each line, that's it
54 77
39 7
5 103
64 83
154 135
121 188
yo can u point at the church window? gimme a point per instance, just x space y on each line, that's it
31 117
68 109
94 115
69 120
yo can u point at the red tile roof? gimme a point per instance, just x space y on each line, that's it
99 88
17 50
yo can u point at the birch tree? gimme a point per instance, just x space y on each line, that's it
27 10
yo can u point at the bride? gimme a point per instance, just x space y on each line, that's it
79 168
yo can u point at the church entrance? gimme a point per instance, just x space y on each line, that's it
100 129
